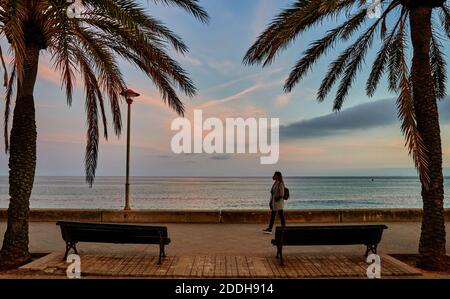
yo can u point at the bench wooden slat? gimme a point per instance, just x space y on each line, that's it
74 232
368 235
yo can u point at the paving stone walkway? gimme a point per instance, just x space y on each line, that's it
222 266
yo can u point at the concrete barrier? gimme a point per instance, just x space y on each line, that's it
313 216
44 215
392 215
160 216
244 216
225 216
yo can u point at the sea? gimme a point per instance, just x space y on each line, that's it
194 193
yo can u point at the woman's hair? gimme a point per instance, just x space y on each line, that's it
278 174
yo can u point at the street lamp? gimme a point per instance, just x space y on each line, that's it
129 94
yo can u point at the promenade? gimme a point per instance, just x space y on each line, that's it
232 239
195 246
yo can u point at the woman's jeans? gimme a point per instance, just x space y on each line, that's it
272 218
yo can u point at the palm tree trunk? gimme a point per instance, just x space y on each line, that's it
22 164
432 239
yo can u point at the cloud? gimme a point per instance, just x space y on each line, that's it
190 60
282 99
304 93
244 78
361 117
240 94
235 96
152 100
263 12
220 157
51 75
223 66
47 73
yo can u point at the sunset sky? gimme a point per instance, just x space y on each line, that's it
363 139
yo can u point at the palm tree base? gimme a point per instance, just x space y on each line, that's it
433 264
9 262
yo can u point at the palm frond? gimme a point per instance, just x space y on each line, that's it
407 116
149 57
8 96
353 65
349 62
438 67
356 58
61 45
395 57
381 60
160 79
129 15
285 27
110 77
190 6
320 47
93 95
91 46
13 27
5 70
445 20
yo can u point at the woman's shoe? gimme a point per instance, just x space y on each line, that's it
267 231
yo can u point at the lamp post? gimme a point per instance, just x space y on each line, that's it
129 94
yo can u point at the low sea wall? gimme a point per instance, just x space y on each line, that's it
225 216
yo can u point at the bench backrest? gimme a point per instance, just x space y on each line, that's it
112 233
329 235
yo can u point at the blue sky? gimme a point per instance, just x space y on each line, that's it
232 90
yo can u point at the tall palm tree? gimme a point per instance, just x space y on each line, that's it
86 44
419 85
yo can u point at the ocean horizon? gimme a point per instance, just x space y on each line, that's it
224 192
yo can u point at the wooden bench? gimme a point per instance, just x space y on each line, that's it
74 232
369 235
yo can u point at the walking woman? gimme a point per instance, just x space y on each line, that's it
276 201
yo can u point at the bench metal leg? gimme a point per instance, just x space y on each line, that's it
371 248
70 245
162 253
280 246
280 254
161 248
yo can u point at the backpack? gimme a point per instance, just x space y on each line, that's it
286 193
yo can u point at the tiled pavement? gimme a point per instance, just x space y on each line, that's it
193 242
220 266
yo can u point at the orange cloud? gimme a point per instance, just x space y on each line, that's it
47 73
72 138
80 138
240 94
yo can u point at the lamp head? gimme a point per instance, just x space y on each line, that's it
129 94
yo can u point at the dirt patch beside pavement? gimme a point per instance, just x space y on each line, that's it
411 259
21 272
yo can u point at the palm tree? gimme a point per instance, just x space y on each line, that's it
84 44
419 85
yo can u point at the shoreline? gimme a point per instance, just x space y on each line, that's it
224 215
